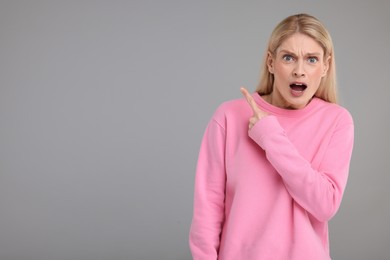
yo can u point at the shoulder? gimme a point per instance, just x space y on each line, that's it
231 110
336 111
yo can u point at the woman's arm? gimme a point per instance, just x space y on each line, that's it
209 195
318 191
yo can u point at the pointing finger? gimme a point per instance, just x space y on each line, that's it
250 99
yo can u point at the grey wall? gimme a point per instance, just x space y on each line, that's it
103 105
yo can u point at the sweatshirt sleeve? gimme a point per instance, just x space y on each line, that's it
319 191
209 195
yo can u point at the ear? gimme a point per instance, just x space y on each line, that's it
270 63
326 65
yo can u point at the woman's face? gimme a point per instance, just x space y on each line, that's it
298 67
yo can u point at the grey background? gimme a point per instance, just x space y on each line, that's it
103 105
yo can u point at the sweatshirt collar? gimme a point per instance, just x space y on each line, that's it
283 111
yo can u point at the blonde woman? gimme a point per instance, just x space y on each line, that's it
273 165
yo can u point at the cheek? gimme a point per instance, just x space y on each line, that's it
316 80
317 74
281 71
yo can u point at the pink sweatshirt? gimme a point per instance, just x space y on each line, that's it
270 192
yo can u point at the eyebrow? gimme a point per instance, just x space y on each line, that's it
307 54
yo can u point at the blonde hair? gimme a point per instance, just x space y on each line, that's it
312 27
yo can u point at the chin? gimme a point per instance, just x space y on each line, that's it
298 103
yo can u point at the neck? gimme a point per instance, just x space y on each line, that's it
269 98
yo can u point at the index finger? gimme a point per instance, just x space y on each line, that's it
249 98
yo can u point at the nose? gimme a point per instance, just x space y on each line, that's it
299 70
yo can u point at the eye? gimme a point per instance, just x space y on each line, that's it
312 59
288 57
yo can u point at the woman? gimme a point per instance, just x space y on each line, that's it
268 192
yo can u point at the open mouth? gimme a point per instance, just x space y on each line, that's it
298 87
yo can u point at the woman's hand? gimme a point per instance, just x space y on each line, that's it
257 112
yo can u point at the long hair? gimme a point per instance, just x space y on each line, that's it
312 27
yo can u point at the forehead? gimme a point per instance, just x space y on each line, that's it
300 44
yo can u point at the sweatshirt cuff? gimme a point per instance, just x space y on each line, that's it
265 127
